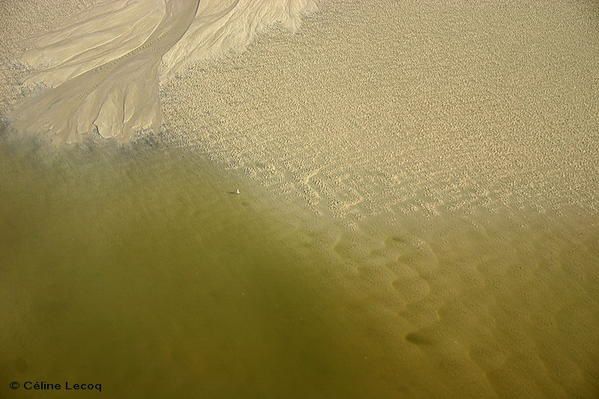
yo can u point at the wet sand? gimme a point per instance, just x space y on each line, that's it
99 75
392 107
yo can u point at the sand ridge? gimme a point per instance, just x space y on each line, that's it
116 98
102 72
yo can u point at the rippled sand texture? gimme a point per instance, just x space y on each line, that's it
450 149
20 22
482 306
103 70
397 105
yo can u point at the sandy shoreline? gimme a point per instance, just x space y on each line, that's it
443 154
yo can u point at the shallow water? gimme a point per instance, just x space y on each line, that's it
137 268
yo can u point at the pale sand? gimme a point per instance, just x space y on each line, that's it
391 106
100 74
407 121
21 21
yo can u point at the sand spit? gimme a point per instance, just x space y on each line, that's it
101 73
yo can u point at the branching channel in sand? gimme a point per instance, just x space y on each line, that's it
101 74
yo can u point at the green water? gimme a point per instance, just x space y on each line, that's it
139 269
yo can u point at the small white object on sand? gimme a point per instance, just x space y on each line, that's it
237 191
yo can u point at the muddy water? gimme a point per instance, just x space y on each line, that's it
489 304
140 269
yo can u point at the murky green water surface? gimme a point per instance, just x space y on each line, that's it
140 269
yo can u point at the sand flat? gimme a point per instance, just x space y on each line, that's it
99 75
431 167
395 106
